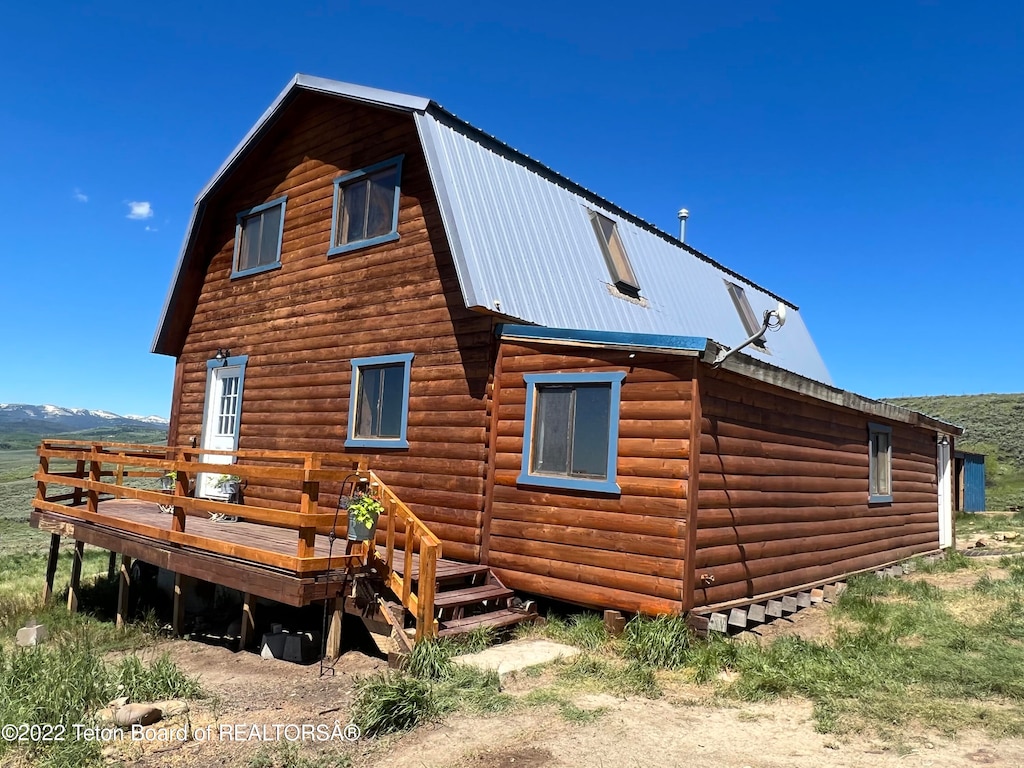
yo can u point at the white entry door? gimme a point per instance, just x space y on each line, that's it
944 477
220 425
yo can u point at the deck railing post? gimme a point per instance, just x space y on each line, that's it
308 506
425 591
44 468
92 503
389 553
180 489
80 474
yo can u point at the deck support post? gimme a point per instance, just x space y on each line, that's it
308 505
51 566
111 565
181 583
248 629
334 607
124 585
76 576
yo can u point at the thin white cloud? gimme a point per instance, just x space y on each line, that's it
140 211
80 196
151 229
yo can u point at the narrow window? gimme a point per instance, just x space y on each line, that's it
366 207
880 467
615 255
258 235
378 414
746 312
571 431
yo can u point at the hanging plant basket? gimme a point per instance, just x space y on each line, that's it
363 513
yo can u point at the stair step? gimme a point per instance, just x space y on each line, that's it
470 595
502 618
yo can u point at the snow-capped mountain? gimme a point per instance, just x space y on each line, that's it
55 419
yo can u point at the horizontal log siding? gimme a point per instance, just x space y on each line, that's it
603 551
784 490
301 325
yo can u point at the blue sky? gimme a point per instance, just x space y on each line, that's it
864 160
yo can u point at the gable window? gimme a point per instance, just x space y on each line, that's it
746 312
880 467
366 207
615 255
571 430
258 234
378 412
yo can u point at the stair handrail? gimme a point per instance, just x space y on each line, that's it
415 532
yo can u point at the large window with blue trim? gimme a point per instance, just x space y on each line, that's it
378 414
571 430
258 235
366 206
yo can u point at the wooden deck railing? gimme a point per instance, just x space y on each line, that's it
416 538
88 468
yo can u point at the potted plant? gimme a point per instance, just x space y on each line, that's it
229 485
167 481
363 512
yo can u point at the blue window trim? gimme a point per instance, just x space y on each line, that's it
875 498
351 441
526 477
348 178
235 271
239 360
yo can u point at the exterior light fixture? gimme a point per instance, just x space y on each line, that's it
222 355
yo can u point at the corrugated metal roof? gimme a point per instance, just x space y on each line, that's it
524 246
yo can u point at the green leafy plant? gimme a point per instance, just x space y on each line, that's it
364 509
225 480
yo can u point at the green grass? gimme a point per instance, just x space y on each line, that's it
284 754
65 681
584 630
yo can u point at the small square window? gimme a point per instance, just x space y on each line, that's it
378 414
746 312
880 467
571 431
615 255
366 207
258 235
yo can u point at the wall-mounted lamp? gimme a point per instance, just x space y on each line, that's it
222 355
944 440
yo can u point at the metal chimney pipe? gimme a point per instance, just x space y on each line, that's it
683 216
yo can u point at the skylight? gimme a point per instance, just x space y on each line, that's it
615 255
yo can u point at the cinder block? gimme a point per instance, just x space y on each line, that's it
773 608
789 604
755 613
718 622
738 618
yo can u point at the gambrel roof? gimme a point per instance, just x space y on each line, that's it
525 248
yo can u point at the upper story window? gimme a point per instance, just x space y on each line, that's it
366 206
615 255
746 312
571 430
378 413
258 235
880 467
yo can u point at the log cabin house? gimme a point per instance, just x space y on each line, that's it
534 374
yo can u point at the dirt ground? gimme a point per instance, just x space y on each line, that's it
683 728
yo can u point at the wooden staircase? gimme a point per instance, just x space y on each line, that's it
466 597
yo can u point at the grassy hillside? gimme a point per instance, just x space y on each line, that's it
21 439
994 426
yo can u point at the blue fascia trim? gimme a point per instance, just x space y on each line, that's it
235 271
367 442
347 178
641 340
237 360
608 485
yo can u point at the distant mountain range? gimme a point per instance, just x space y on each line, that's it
22 425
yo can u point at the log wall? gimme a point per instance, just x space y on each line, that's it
783 497
608 551
300 325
